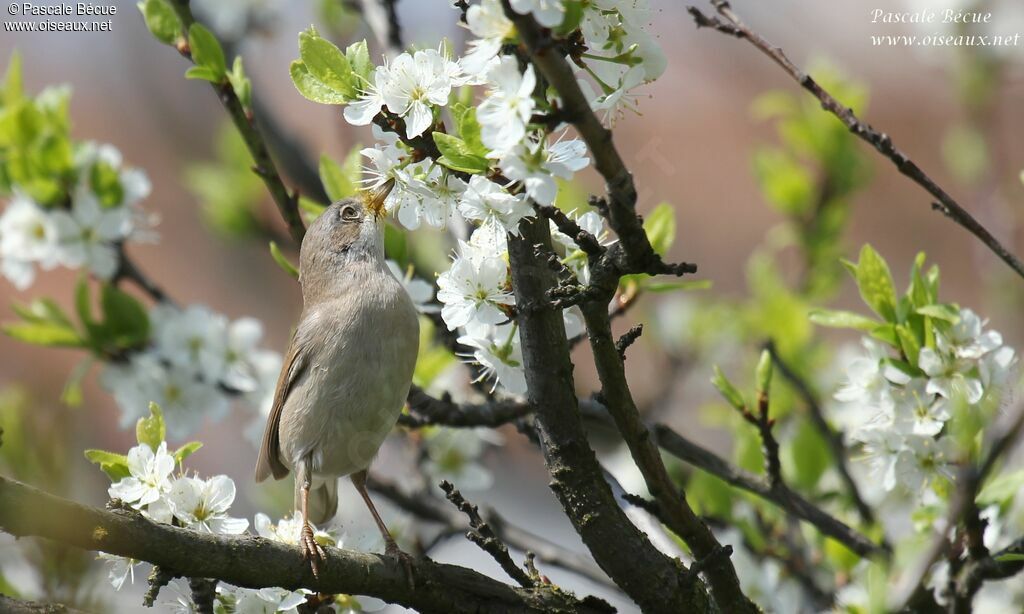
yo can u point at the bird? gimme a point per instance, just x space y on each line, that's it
347 370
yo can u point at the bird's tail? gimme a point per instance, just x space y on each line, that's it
323 500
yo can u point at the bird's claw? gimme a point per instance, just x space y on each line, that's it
311 550
392 550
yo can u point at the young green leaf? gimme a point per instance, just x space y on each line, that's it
341 180
207 53
943 311
114 465
45 333
660 226
125 322
842 319
161 20
358 57
458 156
875 282
327 64
186 450
764 372
282 261
728 391
151 430
312 88
241 83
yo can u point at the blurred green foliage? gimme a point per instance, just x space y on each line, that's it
228 191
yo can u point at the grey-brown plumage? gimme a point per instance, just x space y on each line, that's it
348 367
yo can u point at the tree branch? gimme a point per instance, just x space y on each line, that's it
426 410
254 562
781 495
945 204
832 437
623 552
287 203
11 605
675 510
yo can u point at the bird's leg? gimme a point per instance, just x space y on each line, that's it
311 551
390 545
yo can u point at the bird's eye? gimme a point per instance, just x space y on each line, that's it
349 213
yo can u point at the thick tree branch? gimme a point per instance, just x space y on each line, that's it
623 552
425 410
254 562
675 510
287 202
17 606
733 26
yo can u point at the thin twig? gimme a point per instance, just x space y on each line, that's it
481 534
286 201
426 410
832 436
945 203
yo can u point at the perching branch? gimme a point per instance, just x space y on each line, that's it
426 410
287 202
832 437
730 24
17 606
255 562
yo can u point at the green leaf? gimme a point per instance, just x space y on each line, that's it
842 319
458 156
909 343
660 226
13 88
186 450
469 128
203 73
151 430
45 334
126 324
83 302
241 83
105 181
327 64
1002 489
340 181
1010 557
875 282
282 261
312 88
72 393
763 373
358 57
114 465
807 455
206 51
943 311
161 20
728 391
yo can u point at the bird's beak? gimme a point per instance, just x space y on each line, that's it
375 198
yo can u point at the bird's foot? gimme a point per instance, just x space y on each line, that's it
392 550
311 551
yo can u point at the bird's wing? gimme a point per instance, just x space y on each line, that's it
295 363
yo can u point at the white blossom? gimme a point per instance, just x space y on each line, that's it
28 236
504 114
536 165
121 569
268 600
149 478
474 290
497 350
488 22
487 202
194 338
88 233
203 505
548 13
454 455
420 291
922 459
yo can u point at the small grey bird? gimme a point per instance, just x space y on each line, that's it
348 367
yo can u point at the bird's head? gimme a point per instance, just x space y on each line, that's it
349 230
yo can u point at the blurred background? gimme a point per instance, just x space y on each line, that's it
958 112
